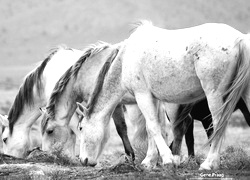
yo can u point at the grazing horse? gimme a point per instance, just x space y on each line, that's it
199 111
34 134
176 66
33 93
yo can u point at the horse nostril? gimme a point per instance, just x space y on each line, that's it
5 140
85 162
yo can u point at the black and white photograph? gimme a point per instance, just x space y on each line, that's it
125 89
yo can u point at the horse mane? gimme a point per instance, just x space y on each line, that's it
72 72
25 93
139 24
100 81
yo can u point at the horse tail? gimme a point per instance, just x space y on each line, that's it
235 90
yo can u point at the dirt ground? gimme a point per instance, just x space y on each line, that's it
35 168
42 166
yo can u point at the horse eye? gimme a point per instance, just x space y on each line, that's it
49 131
5 140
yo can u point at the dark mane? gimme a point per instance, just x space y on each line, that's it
100 80
25 93
72 72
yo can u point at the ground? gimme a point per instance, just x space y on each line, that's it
235 162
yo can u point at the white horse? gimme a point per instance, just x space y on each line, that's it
34 135
176 66
32 95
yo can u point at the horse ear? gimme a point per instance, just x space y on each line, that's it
4 120
42 110
82 109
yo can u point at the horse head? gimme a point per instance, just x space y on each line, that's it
56 136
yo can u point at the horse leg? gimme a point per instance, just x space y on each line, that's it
189 137
179 131
121 128
148 106
140 137
243 108
178 115
215 101
164 122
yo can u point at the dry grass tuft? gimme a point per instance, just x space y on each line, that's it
193 163
235 158
56 156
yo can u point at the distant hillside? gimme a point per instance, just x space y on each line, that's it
29 28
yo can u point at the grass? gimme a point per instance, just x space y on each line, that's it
45 24
232 158
235 158
193 163
56 156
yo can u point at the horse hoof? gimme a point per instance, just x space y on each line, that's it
176 160
147 164
167 160
205 166
184 158
210 164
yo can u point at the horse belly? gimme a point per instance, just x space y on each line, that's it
176 89
173 80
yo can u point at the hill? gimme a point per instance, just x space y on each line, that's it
29 28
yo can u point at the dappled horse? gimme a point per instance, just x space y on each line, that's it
33 93
177 66
199 111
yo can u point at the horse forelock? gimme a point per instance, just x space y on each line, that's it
71 73
25 94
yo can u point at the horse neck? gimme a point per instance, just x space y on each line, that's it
28 117
57 66
78 89
111 92
66 105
